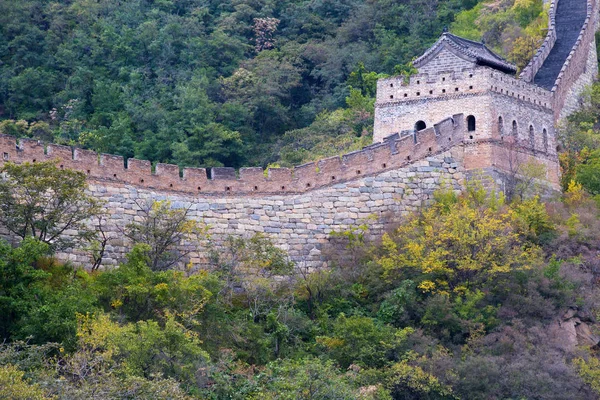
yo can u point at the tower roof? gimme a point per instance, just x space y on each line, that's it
469 50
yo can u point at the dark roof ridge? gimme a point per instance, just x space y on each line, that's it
478 52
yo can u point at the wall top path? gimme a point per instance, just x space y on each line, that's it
572 18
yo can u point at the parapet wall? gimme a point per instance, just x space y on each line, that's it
395 91
299 223
481 92
521 90
251 181
576 64
540 56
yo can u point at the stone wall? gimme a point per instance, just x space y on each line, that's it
301 224
540 56
534 124
298 208
481 92
573 97
580 68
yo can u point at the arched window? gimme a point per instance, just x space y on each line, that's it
531 137
515 130
500 126
470 123
420 125
545 139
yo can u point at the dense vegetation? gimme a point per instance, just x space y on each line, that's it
236 82
470 298
580 152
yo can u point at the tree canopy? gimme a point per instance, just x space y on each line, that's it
214 83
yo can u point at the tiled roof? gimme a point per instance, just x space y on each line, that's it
473 51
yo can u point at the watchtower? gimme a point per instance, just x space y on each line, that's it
458 75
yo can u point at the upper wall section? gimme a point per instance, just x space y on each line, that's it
431 98
542 53
576 63
374 159
395 91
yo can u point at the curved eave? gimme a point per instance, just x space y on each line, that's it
449 42
506 68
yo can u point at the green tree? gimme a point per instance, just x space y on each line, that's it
43 201
364 341
588 172
20 282
447 250
135 292
304 379
164 229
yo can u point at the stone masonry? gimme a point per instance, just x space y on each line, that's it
463 115
298 223
297 208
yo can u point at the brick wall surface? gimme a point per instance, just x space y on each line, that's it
298 223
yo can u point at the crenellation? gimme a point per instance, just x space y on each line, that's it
254 175
445 126
63 153
306 176
543 51
113 167
168 172
280 175
8 144
31 150
196 180
140 168
382 157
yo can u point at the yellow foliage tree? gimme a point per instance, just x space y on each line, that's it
447 249
14 387
589 371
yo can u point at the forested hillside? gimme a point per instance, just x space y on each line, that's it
474 296
236 82
471 298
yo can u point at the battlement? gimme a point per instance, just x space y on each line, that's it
576 64
395 91
374 159
543 51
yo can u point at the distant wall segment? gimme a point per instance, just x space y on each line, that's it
580 68
300 224
543 51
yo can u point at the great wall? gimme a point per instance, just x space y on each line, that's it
463 115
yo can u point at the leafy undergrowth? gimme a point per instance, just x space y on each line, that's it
461 300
